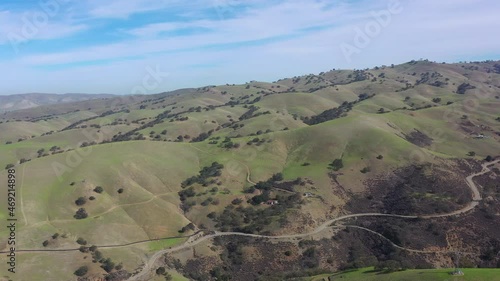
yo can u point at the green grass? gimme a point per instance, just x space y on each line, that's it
146 170
132 116
151 172
46 266
175 277
197 123
71 139
298 103
12 131
164 244
367 274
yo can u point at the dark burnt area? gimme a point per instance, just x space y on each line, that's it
418 138
362 249
417 190
417 234
481 228
287 185
476 233
249 259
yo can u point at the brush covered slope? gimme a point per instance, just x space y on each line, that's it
114 181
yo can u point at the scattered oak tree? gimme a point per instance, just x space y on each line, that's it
81 214
80 201
81 271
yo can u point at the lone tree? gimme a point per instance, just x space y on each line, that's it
462 88
98 189
81 241
81 201
336 164
161 270
188 227
9 166
81 271
81 214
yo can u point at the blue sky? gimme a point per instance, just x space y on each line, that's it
111 46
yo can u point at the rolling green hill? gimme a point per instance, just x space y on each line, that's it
275 141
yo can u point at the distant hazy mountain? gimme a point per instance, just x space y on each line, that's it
24 101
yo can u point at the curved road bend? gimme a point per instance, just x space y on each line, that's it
396 245
476 197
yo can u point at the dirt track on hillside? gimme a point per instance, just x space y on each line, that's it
476 197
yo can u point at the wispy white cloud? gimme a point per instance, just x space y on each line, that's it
46 20
16 27
244 41
124 9
287 19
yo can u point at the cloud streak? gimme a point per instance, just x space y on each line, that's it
235 40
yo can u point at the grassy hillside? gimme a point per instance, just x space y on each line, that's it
335 139
24 101
368 274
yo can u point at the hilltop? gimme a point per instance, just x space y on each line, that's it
267 159
25 101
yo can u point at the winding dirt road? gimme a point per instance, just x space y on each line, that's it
396 245
248 174
149 266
